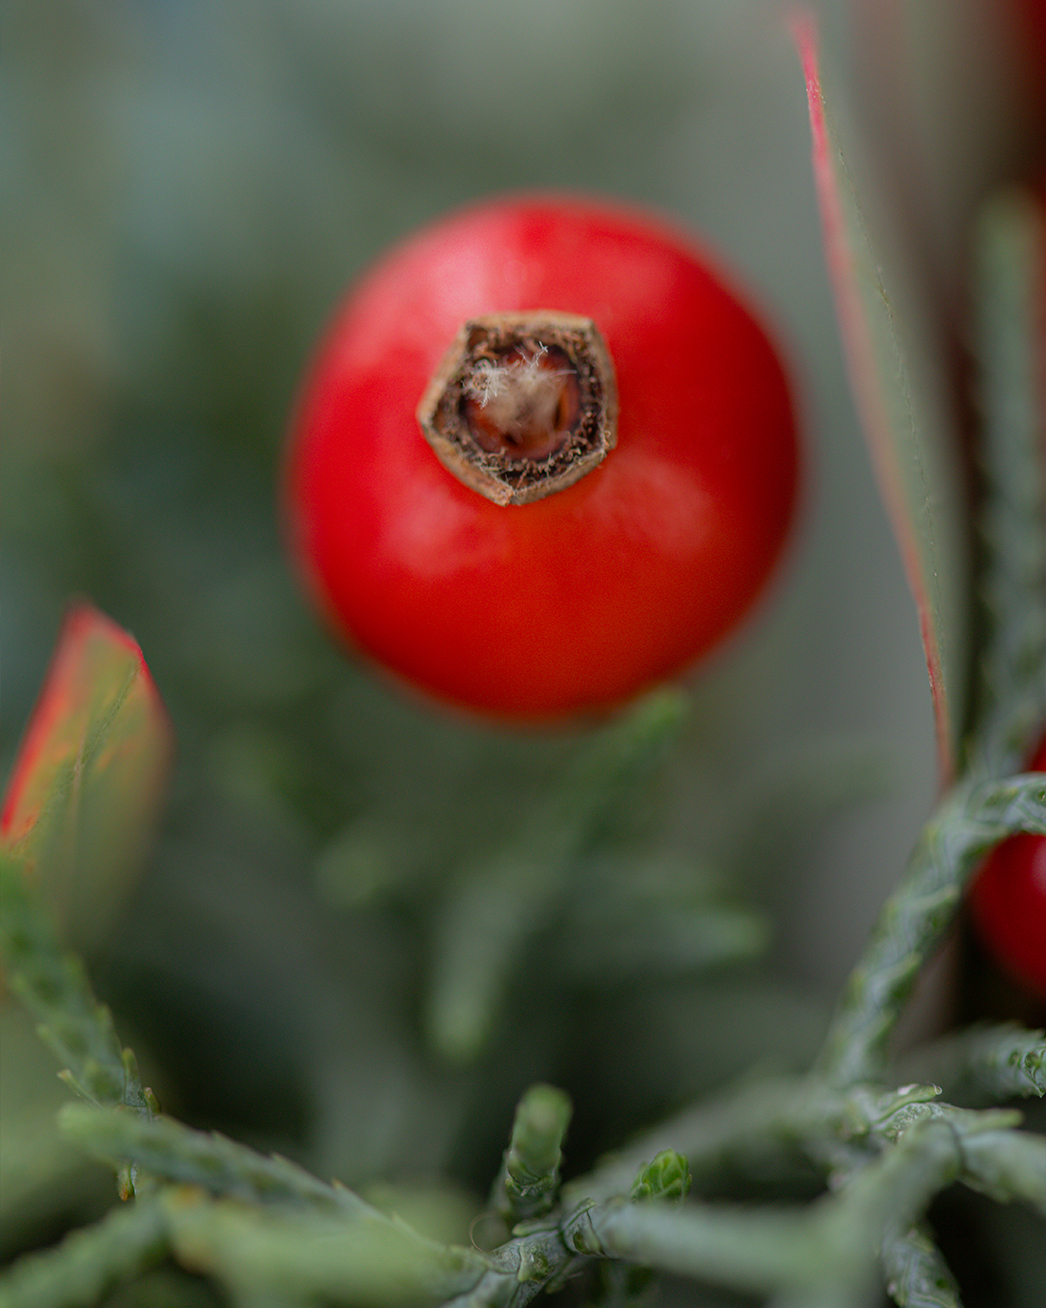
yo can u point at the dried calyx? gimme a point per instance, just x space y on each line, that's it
522 405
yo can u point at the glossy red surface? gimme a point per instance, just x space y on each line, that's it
1008 903
580 600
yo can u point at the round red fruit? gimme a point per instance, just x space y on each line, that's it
545 459
1008 903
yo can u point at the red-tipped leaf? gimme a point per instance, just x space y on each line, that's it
85 790
900 385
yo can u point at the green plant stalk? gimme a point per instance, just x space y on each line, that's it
529 1175
164 1149
89 1262
968 822
761 1251
539 1259
53 986
1007 1165
983 1064
916 1274
308 1254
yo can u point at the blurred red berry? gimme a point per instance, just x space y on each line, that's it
1008 903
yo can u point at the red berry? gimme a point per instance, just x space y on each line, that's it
1008 903
616 470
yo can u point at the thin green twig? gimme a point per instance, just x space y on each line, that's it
308 1254
983 1064
88 1262
764 1251
916 1274
164 1149
54 987
529 1176
972 818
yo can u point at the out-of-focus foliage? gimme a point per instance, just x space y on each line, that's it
911 420
92 772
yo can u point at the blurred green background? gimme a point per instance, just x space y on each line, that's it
189 190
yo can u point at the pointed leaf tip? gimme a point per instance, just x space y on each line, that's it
85 790
899 378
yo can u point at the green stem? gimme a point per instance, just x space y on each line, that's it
530 1172
166 1150
89 1262
916 1274
968 822
983 1064
54 987
766 1251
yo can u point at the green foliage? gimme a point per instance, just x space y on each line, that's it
171 1152
898 375
984 1064
530 1173
90 1261
305 1255
52 984
502 902
968 822
452 962
916 1274
93 767
667 1176
264 1226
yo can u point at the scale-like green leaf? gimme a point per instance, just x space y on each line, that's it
279 1255
54 987
1007 1165
83 797
984 1064
169 1151
529 1175
916 1274
88 1262
899 381
970 819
